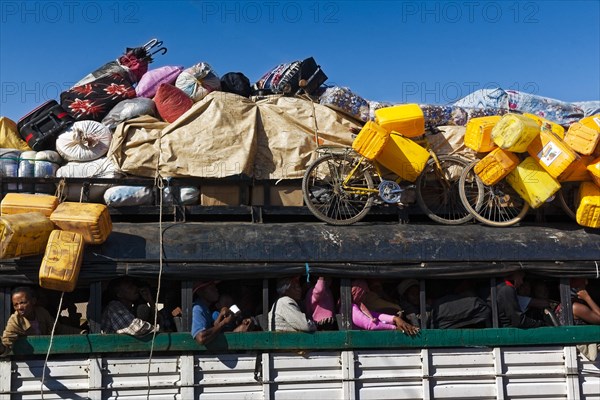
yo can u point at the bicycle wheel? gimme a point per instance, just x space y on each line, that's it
437 191
567 196
498 205
324 192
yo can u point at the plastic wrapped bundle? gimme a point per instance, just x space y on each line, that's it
443 115
26 170
198 81
125 196
186 195
9 165
344 100
128 109
100 168
47 162
152 79
84 141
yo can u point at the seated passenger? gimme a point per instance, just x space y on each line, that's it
510 313
585 309
363 318
285 314
29 319
320 305
376 299
118 316
204 328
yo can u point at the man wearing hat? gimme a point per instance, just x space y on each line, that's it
204 327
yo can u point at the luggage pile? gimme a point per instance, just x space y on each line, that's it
125 119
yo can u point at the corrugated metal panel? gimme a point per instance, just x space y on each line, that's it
307 376
227 376
538 371
62 380
589 378
389 375
463 374
126 378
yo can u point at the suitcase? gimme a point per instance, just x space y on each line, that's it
583 139
478 133
91 220
41 126
588 210
62 261
515 132
20 203
551 153
24 234
492 168
533 183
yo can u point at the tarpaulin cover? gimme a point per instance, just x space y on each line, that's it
239 250
227 135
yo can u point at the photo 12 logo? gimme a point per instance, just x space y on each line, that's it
69 12
470 11
269 12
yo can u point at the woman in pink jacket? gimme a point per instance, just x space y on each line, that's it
363 318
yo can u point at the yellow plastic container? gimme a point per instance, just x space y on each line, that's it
404 157
515 132
370 140
551 153
582 138
492 168
577 171
594 169
588 211
91 220
593 121
19 203
406 119
24 235
478 135
546 125
533 183
62 261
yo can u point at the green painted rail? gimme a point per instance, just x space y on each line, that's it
338 340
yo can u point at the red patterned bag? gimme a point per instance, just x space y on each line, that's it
94 100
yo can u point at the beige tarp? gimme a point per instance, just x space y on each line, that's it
225 135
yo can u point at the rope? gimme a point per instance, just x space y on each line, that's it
597 270
158 183
307 267
50 345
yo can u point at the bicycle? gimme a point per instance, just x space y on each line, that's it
500 205
341 186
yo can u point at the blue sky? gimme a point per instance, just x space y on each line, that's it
403 51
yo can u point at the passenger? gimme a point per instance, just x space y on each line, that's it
204 328
409 300
585 309
377 300
285 314
510 313
30 319
118 316
320 305
363 318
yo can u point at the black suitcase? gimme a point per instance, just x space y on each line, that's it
41 126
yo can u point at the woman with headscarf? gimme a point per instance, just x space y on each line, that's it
363 318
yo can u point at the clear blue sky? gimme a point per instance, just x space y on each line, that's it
404 51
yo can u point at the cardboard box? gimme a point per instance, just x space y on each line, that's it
222 195
278 195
